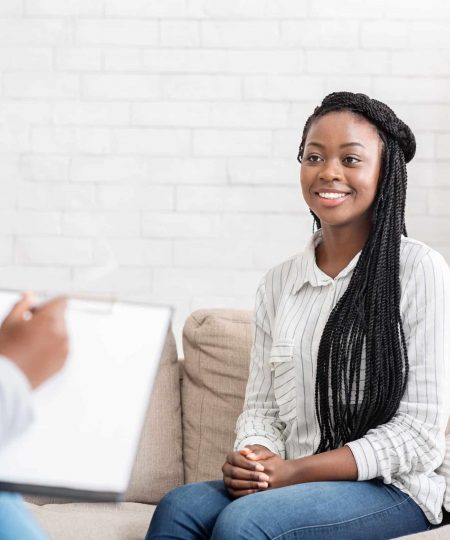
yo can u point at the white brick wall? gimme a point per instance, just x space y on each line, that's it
148 148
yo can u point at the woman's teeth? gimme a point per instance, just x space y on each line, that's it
332 195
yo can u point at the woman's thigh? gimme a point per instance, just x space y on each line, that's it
189 511
322 510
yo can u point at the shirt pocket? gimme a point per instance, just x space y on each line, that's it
284 378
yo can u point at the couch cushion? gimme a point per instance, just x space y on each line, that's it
158 467
94 521
159 464
216 352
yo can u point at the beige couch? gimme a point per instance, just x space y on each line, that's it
188 431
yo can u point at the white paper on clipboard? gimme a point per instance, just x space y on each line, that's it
89 417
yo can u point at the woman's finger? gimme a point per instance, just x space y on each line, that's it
244 484
256 452
237 460
244 474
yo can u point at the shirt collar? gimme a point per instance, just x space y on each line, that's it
309 272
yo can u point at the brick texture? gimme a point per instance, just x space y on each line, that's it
148 149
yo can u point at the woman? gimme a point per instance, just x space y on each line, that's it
347 378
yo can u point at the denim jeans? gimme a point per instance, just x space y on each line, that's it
316 510
16 523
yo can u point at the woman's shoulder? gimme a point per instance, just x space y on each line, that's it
416 258
283 276
286 267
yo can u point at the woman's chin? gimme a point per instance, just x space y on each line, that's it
343 220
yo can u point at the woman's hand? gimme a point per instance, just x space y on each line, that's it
255 468
338 464
242 476
282 472
256 452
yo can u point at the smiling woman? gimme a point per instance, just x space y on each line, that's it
341 158
341 167
348 377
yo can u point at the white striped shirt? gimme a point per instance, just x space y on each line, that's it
293 303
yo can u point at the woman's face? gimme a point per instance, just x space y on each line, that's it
340 168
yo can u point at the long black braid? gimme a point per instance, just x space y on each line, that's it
367 316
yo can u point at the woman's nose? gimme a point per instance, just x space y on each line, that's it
330 170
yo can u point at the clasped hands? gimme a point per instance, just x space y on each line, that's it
255 468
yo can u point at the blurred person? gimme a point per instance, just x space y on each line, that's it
33 347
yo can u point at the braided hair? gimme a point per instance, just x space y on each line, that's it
367 316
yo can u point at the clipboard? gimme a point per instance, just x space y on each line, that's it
89 417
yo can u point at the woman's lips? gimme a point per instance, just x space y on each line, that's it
332 202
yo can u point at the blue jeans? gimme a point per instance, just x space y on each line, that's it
325 510
16 523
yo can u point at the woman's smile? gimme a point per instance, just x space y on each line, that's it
332 198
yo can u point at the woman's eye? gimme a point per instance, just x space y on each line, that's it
351 160
314 158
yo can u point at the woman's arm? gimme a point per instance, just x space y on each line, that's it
259 422
242 477
413 440
336 464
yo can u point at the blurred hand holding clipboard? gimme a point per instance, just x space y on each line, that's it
89 417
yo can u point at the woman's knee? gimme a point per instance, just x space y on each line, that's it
173 513
240 520
190 507
181 499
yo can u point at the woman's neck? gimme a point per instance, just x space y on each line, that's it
338 247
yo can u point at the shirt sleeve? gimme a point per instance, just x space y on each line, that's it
16 411
259 422
413 440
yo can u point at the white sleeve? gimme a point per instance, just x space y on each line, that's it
259 422
16 411
413 440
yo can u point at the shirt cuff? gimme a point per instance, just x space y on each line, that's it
366 459
15 375
15 400
262 441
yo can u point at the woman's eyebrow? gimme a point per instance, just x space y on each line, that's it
353 143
